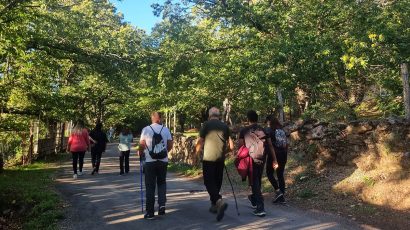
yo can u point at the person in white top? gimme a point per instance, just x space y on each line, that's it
155 143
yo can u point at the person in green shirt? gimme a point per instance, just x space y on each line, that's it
215 139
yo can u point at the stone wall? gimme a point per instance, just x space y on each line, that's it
184 150
326 143
51 146
342 143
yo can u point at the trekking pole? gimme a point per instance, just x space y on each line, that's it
142 191
233 192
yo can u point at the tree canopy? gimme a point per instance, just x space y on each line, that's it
61 60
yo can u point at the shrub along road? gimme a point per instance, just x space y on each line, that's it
110 201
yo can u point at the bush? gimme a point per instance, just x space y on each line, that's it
340 111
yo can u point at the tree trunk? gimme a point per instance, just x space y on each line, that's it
166 119
31 144
61 148
280 107
406 89
175 121
1 162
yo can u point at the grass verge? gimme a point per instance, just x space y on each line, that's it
184 169
27 197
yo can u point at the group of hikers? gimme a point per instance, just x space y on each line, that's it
95 141
258 146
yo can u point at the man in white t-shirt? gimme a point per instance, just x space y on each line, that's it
156 162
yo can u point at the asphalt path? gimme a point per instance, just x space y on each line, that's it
109 201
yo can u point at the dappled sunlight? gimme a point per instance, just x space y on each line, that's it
320 226
117 201
385 184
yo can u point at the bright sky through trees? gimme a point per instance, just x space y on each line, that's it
138 12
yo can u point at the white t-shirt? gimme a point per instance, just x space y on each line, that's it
147 135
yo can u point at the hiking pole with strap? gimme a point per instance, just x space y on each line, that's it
233 192
142 191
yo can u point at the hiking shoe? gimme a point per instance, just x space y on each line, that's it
161 211
213 209
253 205
259 213
75 176
149 216
221 208
279 199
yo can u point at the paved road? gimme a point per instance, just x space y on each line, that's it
109 201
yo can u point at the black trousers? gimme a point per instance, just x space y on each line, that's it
96 159
256 196
213 176
78 158
124 161
155 176
281 157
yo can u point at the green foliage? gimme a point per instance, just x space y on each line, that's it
390 106
185 169
369 181
339 111
29 192
306 193
64 60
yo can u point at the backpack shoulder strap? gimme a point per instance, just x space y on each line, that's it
152 129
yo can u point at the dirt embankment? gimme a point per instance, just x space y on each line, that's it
360 170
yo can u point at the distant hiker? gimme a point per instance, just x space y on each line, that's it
227 111
124 147
78 144
214 136
155 142
98 147
111 134
280 144
253 137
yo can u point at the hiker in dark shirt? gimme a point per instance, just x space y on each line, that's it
214 136
100 143
255 139
279 141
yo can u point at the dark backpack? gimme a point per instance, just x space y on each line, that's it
158 149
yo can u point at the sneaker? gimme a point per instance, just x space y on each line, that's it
253 205
75 176
213 209
80 173
221 208
161 211
279 199
149 216
259 213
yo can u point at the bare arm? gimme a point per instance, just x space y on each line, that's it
170 145
230 144
199 145
142 147
272 151
92 140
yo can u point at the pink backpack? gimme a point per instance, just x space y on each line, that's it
255 142
243 163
